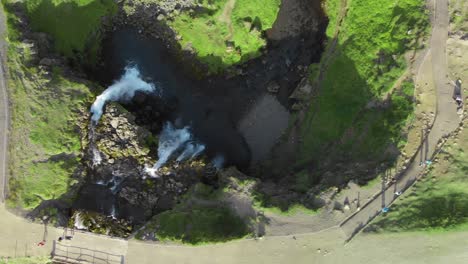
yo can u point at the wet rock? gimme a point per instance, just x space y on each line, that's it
49 62
161 17
273 87
119 136
43 43
100 224
303 91
114 123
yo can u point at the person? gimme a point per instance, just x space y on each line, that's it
42 243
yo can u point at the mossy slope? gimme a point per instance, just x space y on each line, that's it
222 38
74 24
45 136
364 65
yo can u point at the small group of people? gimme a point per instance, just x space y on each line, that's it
66 236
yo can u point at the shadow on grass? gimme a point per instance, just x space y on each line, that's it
346 134
75 28
444 211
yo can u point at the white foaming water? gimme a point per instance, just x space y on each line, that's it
191 151
113 212
218 161
122 90
116 181
101 182
79 223
97 159
172 140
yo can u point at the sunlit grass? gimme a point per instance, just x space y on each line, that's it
211 37
44 111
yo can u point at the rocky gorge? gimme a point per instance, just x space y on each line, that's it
229 112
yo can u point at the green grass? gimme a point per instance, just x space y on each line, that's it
43 181
200 225
74 24
26 260
199 219
437 203
197 225
293 209
332 9
458 16
280 205
216 46
366 63
45 110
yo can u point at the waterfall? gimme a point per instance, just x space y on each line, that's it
122 90
172 140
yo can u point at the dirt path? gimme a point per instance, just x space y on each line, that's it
447 120
226 16
19 238
4 115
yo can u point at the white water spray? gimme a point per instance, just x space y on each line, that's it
218 161
172 140
97 158
122 90
192 150
113 213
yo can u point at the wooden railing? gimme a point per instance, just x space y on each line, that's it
71 254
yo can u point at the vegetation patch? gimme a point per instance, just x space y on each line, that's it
438 202
26 260
458 16
199 219
280 205
45 138
365 64
223 36
74 24
199 225
101 224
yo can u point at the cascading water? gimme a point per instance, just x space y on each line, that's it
113 213
218 161
122 90
97 158
191 151
172 140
